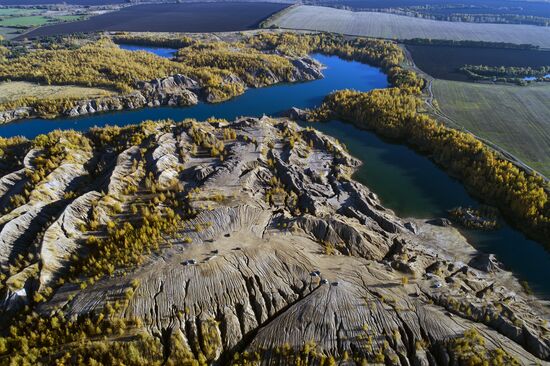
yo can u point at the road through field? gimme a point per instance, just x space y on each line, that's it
390 26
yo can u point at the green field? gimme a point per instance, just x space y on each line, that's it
391 26
13 27
25 21
513 117
15 11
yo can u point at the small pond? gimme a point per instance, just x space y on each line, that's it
159 51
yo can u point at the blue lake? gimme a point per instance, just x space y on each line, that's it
159 51
339 74
408 183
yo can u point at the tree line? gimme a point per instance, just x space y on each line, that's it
102 64
156 40
504 74
455 15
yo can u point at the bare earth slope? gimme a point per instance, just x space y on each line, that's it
382 25
277 208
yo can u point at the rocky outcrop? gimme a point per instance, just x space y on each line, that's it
275 248
485 262
116 103
296 114
306 68
125 171
231 82
175 90
171 91
15 114
440 221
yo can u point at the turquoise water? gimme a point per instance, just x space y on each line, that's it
413 186
162 52
408 183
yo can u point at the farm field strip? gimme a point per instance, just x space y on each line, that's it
181 17
448 7
8 33
382 25
25 21
513 117
16 21
443 62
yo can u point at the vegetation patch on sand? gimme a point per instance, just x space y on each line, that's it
13 90
513 117
392 26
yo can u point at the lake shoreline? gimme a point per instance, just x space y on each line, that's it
501 242
175 90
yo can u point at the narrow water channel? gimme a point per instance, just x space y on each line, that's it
406 182
339 74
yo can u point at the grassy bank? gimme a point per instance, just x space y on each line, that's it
513 117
